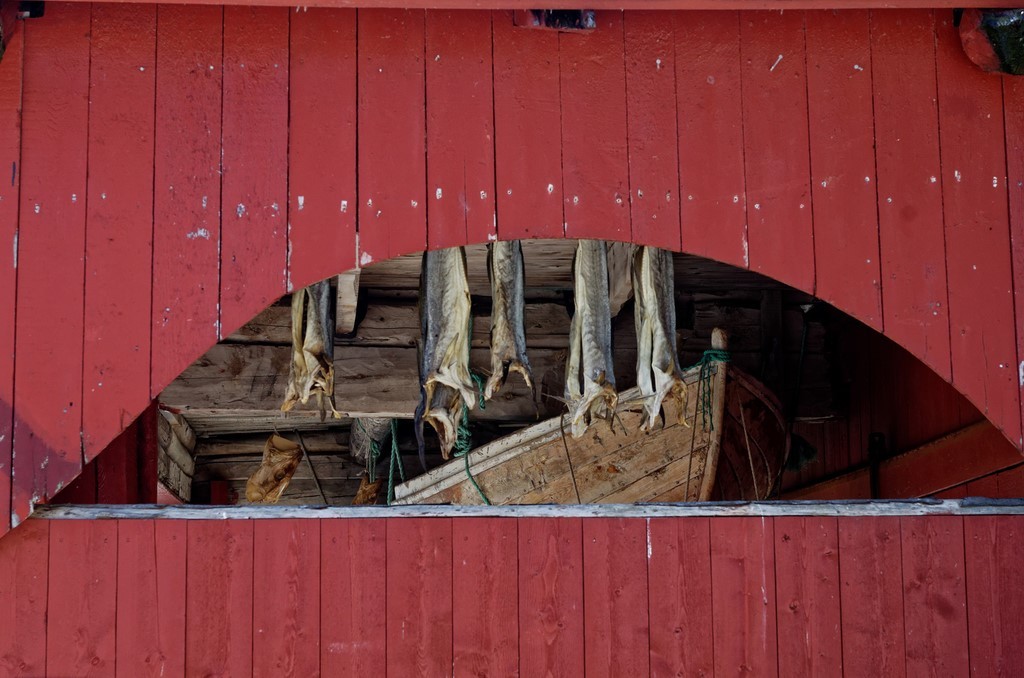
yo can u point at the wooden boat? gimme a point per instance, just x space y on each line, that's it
729 442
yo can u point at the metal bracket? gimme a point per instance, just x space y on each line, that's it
565 20
31 9
993 38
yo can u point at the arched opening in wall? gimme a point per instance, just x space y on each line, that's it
815 404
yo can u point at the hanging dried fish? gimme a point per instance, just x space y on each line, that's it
446 386
280 459
508 333
312 369
657 368
590 375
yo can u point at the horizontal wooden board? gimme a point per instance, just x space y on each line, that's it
776 5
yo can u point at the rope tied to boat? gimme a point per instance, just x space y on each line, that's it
464 440
710 357
396 460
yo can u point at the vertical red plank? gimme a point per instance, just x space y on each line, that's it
24 557
934 595
83 589
460 129
392 133
743 596
1011 482
254 188
807 587
978 255
51 246
842 143
713 194
286 598
81 490
595 159
119 221
653 140
352 600
909 186
186 199
679 575
419 597
484 597
984 487
616 624
994 596
527 106
871 597
146 455
112 471
550 597
1013 106
776 154
218 638
10 157
151 598
321 145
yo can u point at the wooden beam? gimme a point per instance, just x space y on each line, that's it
175 461
396 324
773 5
960 457
620 283
763 509
347 302
239 381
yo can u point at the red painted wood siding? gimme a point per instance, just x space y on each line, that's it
857 156
781 596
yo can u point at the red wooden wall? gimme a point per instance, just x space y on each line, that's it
890 392
174 169
784 596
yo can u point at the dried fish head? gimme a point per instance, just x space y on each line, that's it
445 416
280 459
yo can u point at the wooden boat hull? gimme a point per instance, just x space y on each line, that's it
728 445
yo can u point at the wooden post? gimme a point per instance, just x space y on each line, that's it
719 342
347 302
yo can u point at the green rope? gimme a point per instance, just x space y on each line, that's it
710 357
463 444
478 381
396 460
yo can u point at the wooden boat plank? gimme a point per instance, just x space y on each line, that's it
668 483
613 473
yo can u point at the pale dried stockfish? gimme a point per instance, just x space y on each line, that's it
657 367
508 299
312 369
280 459
589 375
445 326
